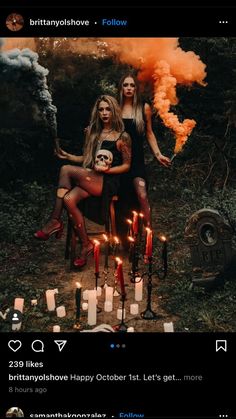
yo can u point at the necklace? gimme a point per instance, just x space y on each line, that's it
106 134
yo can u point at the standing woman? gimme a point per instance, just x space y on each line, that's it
138 124
107 154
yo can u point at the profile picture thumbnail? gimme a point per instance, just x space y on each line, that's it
14 22
14 412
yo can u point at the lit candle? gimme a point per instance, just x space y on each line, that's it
132 253
120 275
18 305
50 299
92 307
138 290
78 299
34 302
133 308
106 251
135 223
148 250
168 327
140 224
96 255
56 328
164 253
130 231
61 311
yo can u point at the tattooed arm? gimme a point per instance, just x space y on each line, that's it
124 146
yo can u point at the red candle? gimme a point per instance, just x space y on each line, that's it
96 255
135 222
120 275
148 250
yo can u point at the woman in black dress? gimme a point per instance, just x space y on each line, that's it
107 154
138 124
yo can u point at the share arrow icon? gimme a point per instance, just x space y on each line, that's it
60 344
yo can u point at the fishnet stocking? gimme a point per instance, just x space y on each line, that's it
141 192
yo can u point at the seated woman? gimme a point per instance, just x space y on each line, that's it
107 154
136 116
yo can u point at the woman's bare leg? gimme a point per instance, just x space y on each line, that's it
141 191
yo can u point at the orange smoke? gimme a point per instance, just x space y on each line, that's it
163 62
159 60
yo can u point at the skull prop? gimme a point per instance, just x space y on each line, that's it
103 160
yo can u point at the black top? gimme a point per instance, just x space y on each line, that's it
137 168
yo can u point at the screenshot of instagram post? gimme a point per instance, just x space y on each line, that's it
118 213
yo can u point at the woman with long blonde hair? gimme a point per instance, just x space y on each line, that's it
106 154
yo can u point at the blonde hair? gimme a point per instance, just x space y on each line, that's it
137 103
96 126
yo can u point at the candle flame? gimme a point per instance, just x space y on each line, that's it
118 260
105 237
97 242
141 215
116 240
134 212
163 238
131 239
129 221
148 230
78 285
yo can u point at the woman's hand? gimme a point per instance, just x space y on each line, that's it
101 169
61 154
165 161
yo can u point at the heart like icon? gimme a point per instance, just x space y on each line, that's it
14 345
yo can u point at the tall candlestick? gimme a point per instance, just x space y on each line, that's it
120 275
135 223
130 230
96 255
148 250
164 254
78 299
106 252
18 305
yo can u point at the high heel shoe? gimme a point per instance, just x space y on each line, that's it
81 261
40 235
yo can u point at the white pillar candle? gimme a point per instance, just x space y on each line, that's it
92 307
130 329
108 306
138 290
34 302
84 306
85 295
18 305
168 327
61 311
56 328
133 308
119 313
109 294
99 291
50 298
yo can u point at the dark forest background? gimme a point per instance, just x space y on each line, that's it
204 174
